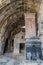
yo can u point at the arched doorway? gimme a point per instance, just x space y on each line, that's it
5 46
11 31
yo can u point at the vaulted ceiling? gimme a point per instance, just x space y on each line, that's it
17 7
12 10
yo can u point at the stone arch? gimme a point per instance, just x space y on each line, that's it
5 14
9 25
8 10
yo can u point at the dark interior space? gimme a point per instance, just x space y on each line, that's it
5 46
22 47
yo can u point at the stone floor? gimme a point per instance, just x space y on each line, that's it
8 60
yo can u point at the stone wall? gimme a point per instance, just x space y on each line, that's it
40 24
19 38
30 24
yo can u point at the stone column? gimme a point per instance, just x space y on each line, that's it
30 28
40 30
2 40
41 34
16 49
40 24
0 47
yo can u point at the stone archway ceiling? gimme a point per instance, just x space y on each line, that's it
18 26
17 7
11 11
8 10
13 25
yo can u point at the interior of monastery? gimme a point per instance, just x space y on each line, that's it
20 22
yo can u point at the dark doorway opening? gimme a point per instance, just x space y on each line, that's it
22 47
12 45
5 46
8 47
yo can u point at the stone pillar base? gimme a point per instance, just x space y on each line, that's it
16 49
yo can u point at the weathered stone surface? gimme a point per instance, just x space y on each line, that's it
12 62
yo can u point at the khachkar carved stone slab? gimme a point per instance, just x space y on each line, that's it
33 50
30 29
